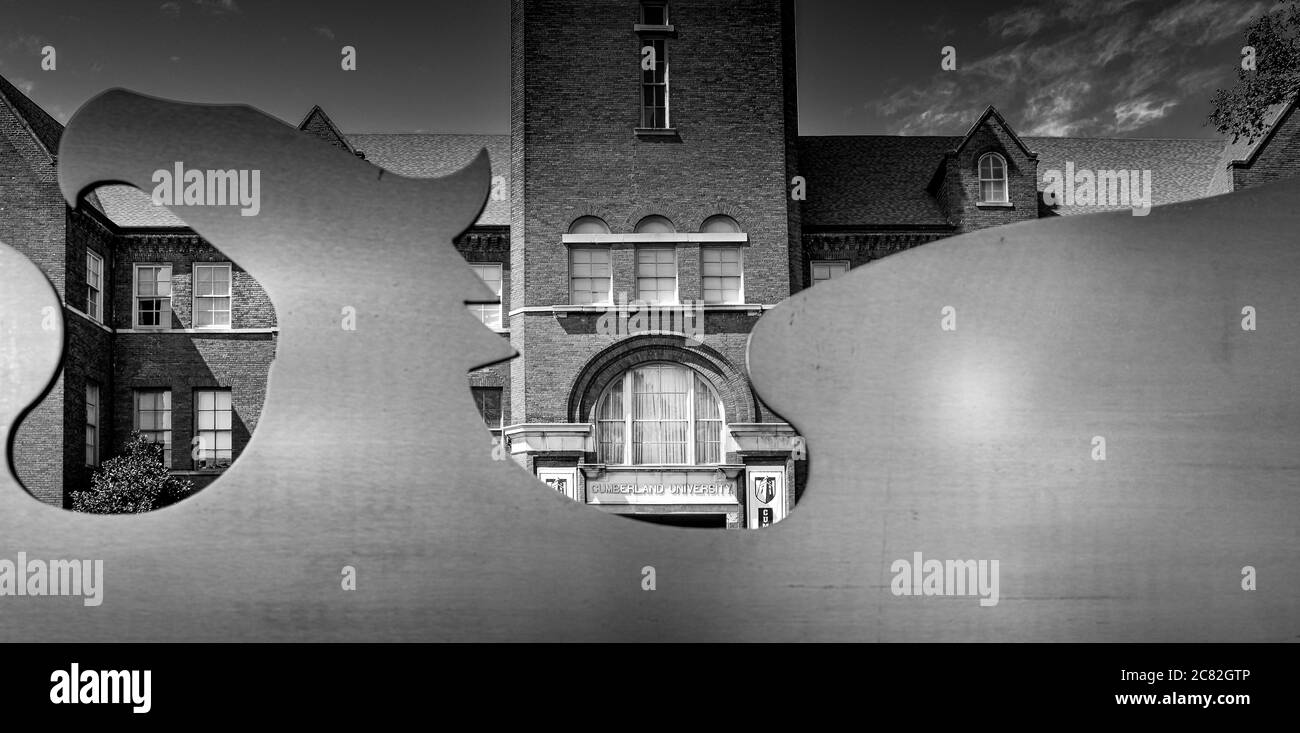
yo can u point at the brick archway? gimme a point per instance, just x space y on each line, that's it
729 382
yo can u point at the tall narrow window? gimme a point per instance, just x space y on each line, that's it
654 13
153 296
720 273
213 417
153 418
488 313
654 85
488 401
659 414
827 269
92 424
212 295
94 286
656 274
993 179
589 276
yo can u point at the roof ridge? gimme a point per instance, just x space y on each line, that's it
43 127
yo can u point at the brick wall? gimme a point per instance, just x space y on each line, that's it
89 354
251 306
491 244
33 221
574 105
962 185
185 362
1278 160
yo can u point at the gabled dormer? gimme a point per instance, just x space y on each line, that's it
988 178
1274 156
319 124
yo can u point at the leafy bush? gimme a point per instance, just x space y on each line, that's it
132 482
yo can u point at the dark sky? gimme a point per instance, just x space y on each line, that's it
1130 68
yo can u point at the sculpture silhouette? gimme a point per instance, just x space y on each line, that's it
965 444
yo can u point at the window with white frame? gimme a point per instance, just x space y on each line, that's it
659 414
92 424
993 179
153 296
153 418
213 417
589 276
212 298
488 313
94 286
656 274
827 269
720 274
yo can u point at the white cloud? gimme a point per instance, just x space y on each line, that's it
1134 114
218 7
1092 67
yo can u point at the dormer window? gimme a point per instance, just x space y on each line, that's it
993 179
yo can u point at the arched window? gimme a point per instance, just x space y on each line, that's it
589 225
993 179
720 224
655 224
659 414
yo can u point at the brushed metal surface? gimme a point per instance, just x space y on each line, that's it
969 444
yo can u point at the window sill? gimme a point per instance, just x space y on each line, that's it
561 311
994 205
657 132
643 28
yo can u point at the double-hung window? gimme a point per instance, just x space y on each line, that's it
213 417
589 276
153 418
488 313
92 424
212 298
153 296
720 274
95 286
656 274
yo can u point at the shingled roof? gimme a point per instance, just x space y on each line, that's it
414 155
1180 169
864 180
880 180
420 155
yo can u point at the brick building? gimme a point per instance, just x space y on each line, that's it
647 208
